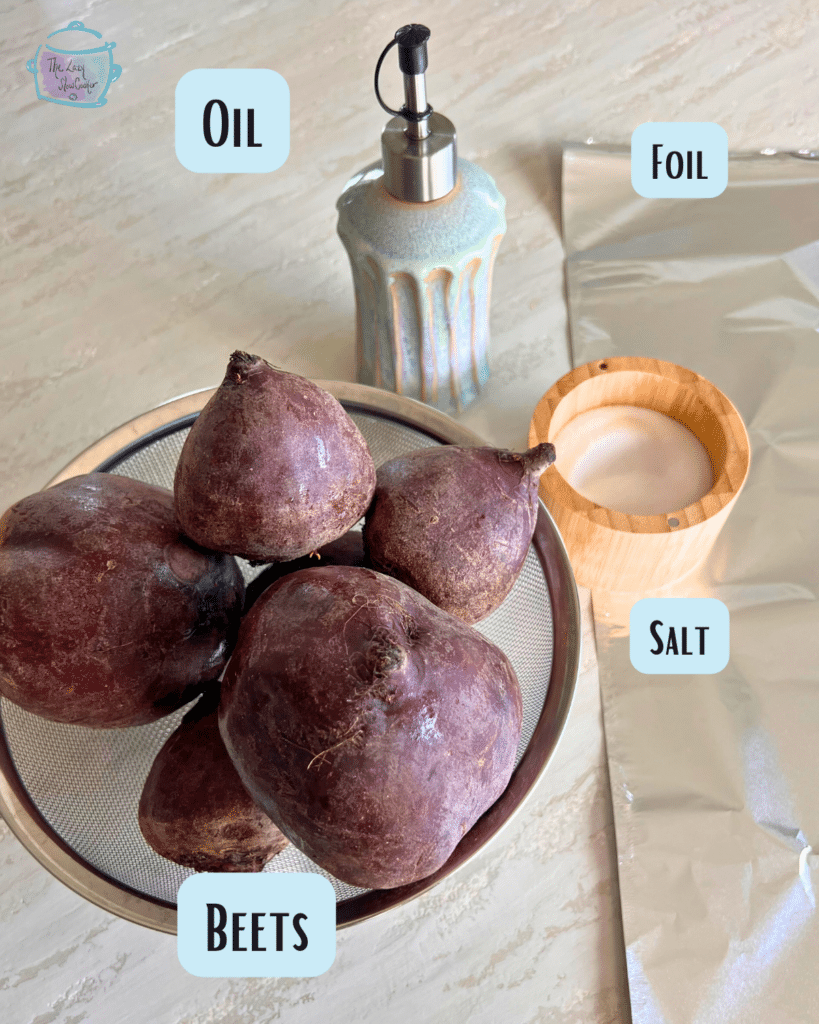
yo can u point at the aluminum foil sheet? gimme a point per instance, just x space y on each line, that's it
715 779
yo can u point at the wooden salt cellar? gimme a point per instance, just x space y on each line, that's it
613 551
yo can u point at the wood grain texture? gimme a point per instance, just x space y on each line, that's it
610 550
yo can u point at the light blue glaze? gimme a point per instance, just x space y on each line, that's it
422 274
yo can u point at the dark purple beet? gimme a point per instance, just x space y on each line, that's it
273 468
456 523
109 615
347 550
194 809
372 727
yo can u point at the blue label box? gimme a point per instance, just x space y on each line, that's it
267 925
232 120
679 635
688 160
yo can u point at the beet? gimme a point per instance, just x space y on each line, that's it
371 726
456 523
347 550
273 467
109 615
194 809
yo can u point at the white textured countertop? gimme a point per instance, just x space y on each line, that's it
127 280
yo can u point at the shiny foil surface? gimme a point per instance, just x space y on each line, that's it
715 778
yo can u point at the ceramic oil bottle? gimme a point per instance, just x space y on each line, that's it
422 229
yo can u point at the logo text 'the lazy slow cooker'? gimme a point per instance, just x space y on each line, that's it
74 67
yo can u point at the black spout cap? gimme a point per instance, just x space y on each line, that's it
412 49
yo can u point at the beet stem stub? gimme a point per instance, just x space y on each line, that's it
240 366
538 459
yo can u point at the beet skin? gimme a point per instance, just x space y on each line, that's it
273 467
456 523
372 727
194 809
109 615
347 550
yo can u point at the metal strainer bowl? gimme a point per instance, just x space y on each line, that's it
70 794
